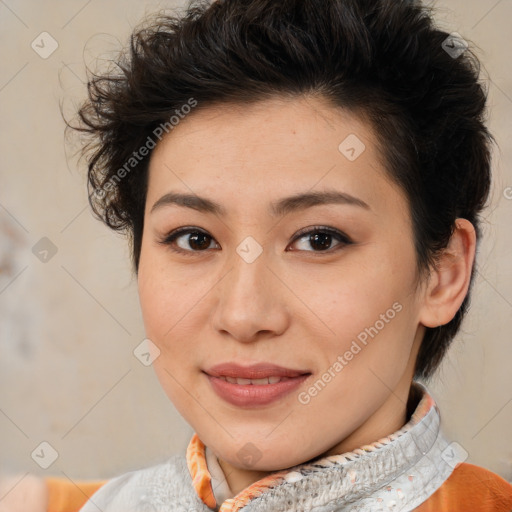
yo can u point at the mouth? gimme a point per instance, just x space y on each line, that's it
255 372
255 385
255 382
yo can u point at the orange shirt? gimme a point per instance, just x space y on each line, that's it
471 488
68 496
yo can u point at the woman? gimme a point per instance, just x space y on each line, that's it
301 182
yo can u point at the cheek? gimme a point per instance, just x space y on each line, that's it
161 313
159 298
349 300
154 301
163 306
170 306
157 294
368 314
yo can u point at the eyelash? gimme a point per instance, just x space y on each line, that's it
344 240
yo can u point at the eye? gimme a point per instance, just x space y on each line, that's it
188 240
321 239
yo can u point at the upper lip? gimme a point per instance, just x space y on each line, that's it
254 371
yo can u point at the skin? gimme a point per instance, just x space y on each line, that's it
295 305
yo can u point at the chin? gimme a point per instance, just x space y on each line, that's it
249 458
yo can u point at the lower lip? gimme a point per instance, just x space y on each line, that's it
246 395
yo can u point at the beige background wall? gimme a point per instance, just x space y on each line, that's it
68 326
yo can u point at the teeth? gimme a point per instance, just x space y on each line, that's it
266 380
260 381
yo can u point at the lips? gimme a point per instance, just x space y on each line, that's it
255 385
254 372
255 382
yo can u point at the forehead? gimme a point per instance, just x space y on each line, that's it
254 153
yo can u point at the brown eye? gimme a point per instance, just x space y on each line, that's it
188 240
199 241
320 239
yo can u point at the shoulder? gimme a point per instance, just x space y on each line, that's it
471 487
65 495
163 484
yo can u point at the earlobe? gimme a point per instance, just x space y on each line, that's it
449 281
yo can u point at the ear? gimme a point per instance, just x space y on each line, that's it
450 279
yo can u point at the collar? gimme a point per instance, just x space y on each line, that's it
405 467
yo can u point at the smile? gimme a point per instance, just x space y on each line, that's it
255 382
255 385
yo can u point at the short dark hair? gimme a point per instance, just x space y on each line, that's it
384 60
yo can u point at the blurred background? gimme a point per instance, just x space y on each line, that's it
74 400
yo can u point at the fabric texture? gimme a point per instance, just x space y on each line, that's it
415 468
471 488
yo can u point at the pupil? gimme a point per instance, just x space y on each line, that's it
199 241
320 241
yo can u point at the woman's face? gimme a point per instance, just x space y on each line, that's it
321 285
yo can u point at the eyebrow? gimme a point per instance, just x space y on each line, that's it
281 207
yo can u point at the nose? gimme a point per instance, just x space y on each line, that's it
250 301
